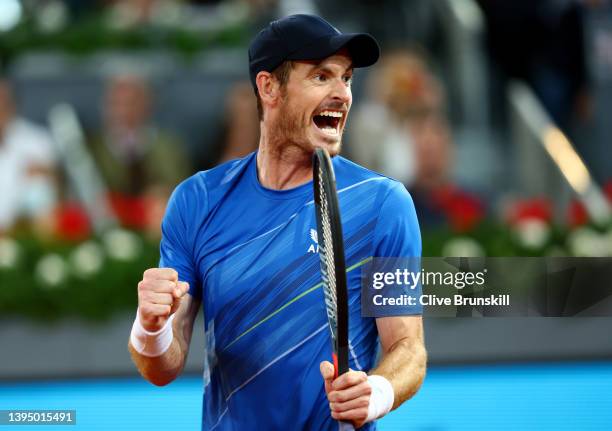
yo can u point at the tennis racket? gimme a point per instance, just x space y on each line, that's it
331 254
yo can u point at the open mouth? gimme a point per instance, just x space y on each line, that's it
328 122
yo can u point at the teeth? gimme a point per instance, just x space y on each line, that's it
330 130
331 114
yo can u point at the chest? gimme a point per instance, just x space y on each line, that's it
257 248
258 257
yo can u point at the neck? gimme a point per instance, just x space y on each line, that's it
282 164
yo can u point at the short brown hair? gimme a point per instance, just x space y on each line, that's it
281 73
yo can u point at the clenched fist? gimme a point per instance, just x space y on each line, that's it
159 296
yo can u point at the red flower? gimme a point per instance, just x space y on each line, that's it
577 214
537 208
72 222
608 190
130 210
463 210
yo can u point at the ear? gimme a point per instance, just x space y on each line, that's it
268 88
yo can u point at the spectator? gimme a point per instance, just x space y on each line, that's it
438 199
139 161
241 126
400 89
403 132
27 170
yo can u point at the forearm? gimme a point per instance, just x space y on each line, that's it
360 399
404 365
163 369
160 350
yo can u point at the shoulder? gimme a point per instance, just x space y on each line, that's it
350 175
388 203
228 172
203 187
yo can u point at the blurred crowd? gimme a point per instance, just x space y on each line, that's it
404 113
402 123
138 161
28 168
402 130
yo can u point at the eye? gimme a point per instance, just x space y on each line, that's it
320 77
348 79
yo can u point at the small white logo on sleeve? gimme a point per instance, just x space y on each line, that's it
314 237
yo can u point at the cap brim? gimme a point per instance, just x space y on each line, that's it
362 47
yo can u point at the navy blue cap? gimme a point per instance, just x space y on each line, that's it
306 37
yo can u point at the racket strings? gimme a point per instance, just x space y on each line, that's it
326 254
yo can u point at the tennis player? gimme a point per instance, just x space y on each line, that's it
239 241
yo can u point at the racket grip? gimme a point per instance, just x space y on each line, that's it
342 426
335 359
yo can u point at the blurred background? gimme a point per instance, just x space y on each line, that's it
494 114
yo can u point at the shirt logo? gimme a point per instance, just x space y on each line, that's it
314 237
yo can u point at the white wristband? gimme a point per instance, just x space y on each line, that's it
381 399
151 344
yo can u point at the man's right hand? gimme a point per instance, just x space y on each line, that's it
159 296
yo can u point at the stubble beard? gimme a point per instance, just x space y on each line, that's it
290 132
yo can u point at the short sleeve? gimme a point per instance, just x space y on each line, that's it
177 247
397 232
396 247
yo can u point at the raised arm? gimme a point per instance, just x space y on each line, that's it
161 334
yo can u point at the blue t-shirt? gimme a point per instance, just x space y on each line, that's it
250 254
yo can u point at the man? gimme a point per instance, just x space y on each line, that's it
28 170
398 93
239 239
133 154
139 161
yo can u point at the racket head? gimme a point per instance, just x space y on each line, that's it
331 254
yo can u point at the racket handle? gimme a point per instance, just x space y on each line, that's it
342 426
335 359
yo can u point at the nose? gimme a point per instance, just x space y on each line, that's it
342 92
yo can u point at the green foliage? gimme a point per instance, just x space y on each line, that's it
94 279
93 34
24 291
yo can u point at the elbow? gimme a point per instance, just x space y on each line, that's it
158 377
159 380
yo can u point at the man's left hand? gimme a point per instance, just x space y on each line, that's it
348 395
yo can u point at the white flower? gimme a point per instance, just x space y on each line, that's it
9 253
608 240
87 259
51 270
462 247
122 244
532 233
586 242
